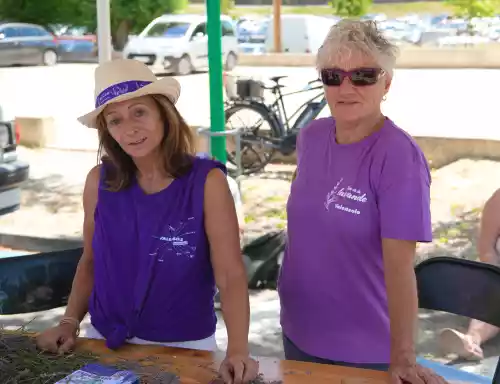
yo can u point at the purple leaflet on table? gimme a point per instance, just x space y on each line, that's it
97 373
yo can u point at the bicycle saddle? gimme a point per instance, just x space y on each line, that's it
276 79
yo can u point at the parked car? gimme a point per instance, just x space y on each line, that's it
68 32
13 172
22 43
179 44
76 44
252 48
254 32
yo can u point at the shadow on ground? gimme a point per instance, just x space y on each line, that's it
455 238
276 174
52 192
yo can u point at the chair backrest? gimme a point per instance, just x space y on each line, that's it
462 287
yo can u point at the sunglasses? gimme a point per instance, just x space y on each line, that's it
359 77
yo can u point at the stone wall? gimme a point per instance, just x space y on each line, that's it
486 56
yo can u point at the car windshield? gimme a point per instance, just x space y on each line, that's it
263 27
168 29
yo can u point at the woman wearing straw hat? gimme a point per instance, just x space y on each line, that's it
160 230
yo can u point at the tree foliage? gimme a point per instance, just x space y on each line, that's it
126 15
350 8
43 12
475 8
133 15
226 6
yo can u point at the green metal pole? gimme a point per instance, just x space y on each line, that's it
217 120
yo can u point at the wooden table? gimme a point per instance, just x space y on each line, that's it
200 367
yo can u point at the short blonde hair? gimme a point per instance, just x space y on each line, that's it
364 36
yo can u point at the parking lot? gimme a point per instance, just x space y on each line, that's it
449 103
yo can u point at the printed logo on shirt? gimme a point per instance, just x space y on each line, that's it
348 195
178 241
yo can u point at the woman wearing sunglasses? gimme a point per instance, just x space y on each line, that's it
358 205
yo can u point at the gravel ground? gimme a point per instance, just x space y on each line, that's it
52 208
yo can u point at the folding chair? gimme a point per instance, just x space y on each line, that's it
461 287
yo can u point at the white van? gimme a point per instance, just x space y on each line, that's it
179 44
300 33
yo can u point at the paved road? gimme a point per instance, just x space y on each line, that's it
458 103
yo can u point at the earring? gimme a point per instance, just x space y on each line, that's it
384 98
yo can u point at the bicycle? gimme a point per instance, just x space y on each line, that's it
248 94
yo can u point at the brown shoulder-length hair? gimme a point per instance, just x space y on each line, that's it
177 148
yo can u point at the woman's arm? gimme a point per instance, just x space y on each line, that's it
221 225
238 203
84 277
403 196
489 230
399 256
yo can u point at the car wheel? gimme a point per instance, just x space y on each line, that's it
231 61
49 58
184 66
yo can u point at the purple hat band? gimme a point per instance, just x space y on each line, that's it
119 89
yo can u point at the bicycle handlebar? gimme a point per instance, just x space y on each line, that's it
313 81
308 87
311 85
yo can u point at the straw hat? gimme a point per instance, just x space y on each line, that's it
125 79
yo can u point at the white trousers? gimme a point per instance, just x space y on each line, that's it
208 344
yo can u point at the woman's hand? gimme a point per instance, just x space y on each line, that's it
238 369
401 373
59 339
221 226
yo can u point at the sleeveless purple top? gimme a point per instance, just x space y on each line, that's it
153 278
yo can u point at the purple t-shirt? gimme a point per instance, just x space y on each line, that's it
344 200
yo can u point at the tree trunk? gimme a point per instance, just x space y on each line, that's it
120 36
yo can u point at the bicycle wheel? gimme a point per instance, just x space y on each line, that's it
257 148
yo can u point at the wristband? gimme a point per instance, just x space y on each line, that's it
71 320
